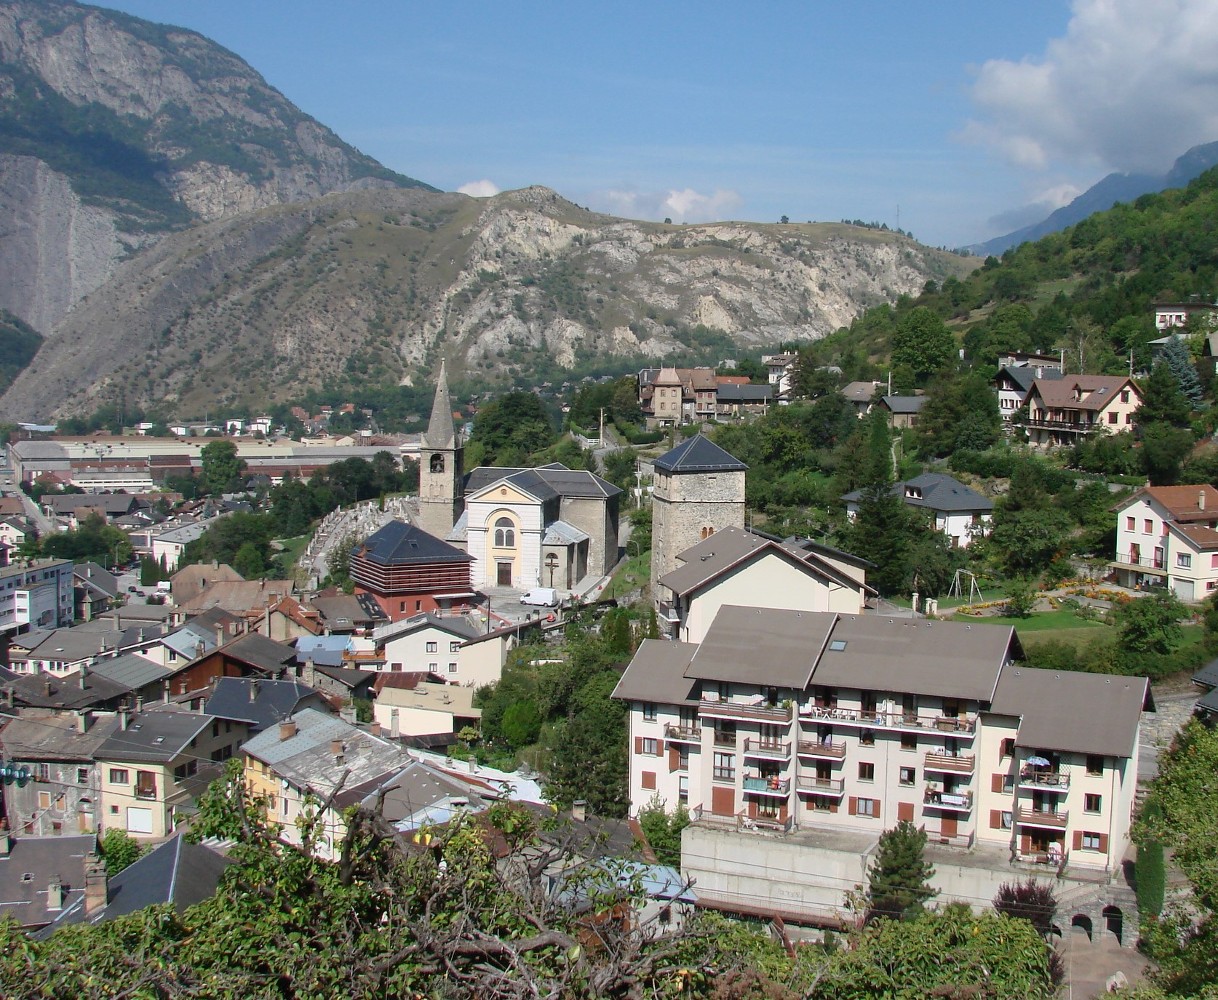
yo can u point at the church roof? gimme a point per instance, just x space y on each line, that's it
440 431
698 454
543 483
399 543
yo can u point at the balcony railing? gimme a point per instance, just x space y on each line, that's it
820 749
767 785
819 786
739 821
1058 424
954 801
683 734
1044 781
1143 562
747 713
145 792
964 725
949 763
668 611
771 749
1041 817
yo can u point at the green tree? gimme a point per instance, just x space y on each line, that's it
923 342
249 561
663 830
1162 400
1151 624
119 849
521 724
221 467
509 429
1180 363
1164 449
898 881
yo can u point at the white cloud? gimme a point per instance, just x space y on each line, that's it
479 189
1042 204
684 205
1130 86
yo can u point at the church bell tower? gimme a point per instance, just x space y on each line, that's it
441 467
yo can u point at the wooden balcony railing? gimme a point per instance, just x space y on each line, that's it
683 734
821 750
964 725
746 713
773 749
955 801
819 786
949 763
1042 817
1046 781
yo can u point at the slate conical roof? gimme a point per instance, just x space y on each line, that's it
440 431
698 454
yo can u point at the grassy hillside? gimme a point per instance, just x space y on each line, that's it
1088 290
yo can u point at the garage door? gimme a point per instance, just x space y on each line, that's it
139 820
1184 589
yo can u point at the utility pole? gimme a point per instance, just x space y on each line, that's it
602 430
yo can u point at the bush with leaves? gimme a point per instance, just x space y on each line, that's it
119 850
1028 900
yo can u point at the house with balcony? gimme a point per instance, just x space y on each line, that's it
1014 382
157 763
669 396
797 725
1062 411
1168 536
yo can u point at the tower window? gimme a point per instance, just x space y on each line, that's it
505 534
707 531
437 463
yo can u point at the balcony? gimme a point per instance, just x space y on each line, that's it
1041 818
744 713
767 749
948 763
964 725
739 821
820 750
774 786
1044 781
812 785
1073 426
725 739
949 801
683 734
145 791
668 611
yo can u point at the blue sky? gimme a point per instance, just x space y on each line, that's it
969 118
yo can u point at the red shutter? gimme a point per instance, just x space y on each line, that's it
905 810
1104 842
723 800
996 782
877 808
638 744
659 748
649 779
1025 843
995 819
1078 839
854 806
833 807
674 757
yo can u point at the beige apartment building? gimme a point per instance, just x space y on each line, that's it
785 721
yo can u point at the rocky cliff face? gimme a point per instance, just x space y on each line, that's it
136 128
377 285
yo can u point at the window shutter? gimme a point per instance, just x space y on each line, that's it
877 807
659 748
674 757
996 783
1078 839
905 810
995 819
638 744
833 807
1104 842
649 779
854 806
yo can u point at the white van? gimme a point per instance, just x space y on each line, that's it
542 597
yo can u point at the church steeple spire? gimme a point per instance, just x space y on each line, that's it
440 431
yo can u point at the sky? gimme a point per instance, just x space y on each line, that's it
956 120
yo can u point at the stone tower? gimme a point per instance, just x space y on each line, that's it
441 472
699 489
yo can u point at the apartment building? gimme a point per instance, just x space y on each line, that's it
38 594
1168 536
785 720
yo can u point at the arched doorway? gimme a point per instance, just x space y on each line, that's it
1114 922
1080 921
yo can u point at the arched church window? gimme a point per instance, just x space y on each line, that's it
707 531
505 534
437 463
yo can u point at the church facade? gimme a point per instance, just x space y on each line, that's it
544 527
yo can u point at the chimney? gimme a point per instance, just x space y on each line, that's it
165 691
124 719
1201 500
287 729
6 840
118 622
336 748
55 894
139 703
84 676
347 714
253 688
46 685
215 564
84 719
374 728
219 634
310 672
395 726
96 891
579 810
141 634
200 649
